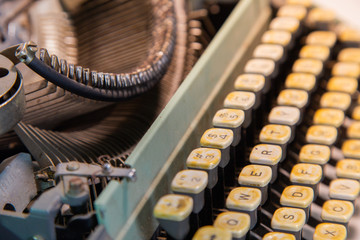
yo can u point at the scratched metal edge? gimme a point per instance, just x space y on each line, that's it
120 204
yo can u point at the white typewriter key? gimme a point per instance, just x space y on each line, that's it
342 84
247 200
346 69
221 139
337 100
206 159
312 66
278 236
320 134
350 37
276 134
320 18
230 119
308 175
330 231
321 53
191 183
314 154
237 223
337 211
349 55
302 81
212 233
257 176
289 220
289 24
282 38
329 116
344 189
322 38
269 155
353 130
298 197
351 148
253 83
285 115
265 67
293 97
241 100
173 211
271 51
348 168
296 11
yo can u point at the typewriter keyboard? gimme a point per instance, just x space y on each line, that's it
282 158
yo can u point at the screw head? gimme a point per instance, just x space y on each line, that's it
72 166
75 186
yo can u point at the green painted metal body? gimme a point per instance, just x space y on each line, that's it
125 208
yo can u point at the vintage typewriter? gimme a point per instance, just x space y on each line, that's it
260 141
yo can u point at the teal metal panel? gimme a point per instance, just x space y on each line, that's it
125 208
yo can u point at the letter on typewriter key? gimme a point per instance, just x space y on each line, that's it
346 69
269 155
212 233
351 148
337 211
237 223
256 176
278 236
315 154
344 189
353 130
276 134
348 168
298 197
321 53
193 184
349 55
241 100
303 81
330 231
328 116
219 138
231 119
342 84
289 220
206 159
306 174
245 199
173 211
322 38
320 134
337 100
285 115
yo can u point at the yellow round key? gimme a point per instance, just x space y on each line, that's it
229 118
288 219
297 196
289 24
342 84
349 35
356 113
240 100
349 55
328 116
274 133
296 11
351 148
189 181
250 82
353 130
318 15
267 154
173 207
322 38
204 158
345 189
255 175
330 231
271 51
305 173
237 223
217 138
337 211
312 66
337 100
305 3
346 69
315 51
303 81
278 236
315 154
212 233
293 97
320 134
260 65
244 198
282 38
348 168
